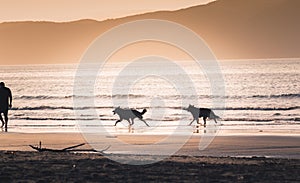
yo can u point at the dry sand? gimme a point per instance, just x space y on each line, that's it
259 145
219 162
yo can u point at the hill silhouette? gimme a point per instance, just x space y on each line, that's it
234 29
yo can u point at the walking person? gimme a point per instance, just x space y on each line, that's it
5 104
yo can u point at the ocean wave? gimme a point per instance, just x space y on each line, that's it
36 97
288 95
248 119
244 108
259 108
121 96
111 118
276 120
57 108
53 119
157 107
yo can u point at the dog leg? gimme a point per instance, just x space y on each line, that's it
145 122
129 122
215 120
118 122
204 119
132 121
192 122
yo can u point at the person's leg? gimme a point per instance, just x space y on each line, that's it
6 119
1 119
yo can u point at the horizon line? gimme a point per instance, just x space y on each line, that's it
124 61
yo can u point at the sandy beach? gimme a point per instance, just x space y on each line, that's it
260 158
65 167
278 146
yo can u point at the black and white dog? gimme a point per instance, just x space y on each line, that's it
201 112
129 114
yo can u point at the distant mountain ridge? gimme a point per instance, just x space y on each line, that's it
233 29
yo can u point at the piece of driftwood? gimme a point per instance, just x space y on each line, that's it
67 149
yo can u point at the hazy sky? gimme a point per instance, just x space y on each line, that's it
68 10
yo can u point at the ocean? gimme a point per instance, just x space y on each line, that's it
259 95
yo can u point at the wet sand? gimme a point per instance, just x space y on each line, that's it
260 158
221 146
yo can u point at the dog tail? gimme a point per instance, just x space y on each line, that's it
217 117
213 115
144 111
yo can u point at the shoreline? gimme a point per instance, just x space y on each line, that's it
220 130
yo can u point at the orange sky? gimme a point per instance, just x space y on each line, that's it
69 10
234 30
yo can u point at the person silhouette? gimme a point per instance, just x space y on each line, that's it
5 104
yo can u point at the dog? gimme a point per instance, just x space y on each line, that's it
129 114
201 112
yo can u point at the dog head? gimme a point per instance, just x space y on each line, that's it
189 108
116 110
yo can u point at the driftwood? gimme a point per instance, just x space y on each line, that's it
67 149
